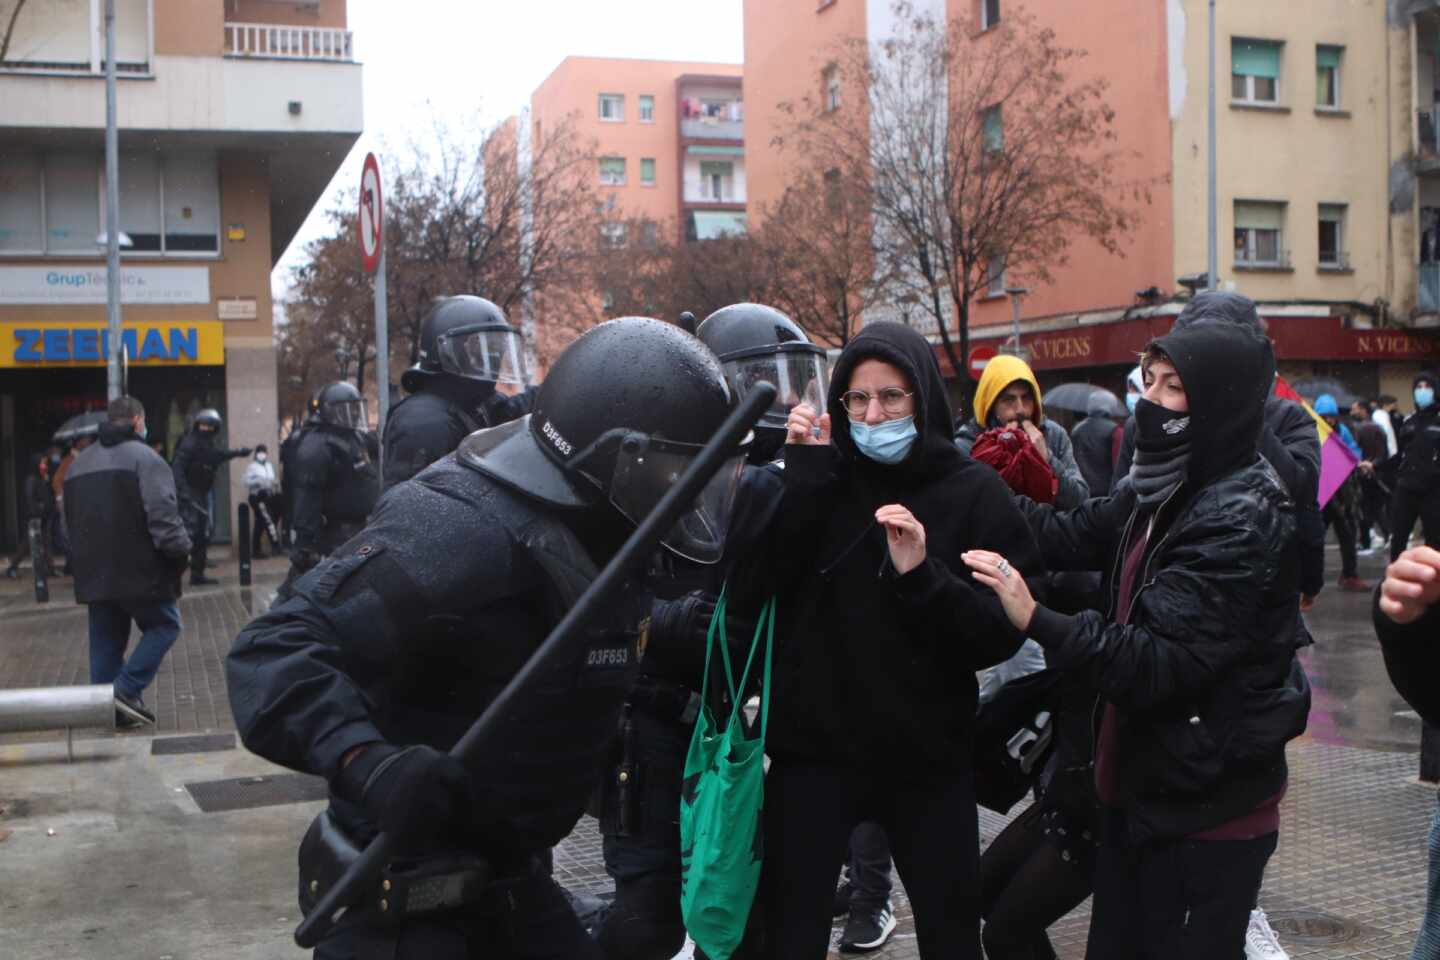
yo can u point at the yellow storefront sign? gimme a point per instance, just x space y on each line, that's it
198 343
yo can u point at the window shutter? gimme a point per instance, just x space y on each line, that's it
1255 58
1258 216
1328 56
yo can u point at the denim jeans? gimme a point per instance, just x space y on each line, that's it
1427 946
159 623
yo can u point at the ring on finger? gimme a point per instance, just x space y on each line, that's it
1004 567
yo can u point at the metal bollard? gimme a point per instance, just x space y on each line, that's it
41 561
244 534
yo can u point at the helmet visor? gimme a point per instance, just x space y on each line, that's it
492 355
798 376
646 469
349 414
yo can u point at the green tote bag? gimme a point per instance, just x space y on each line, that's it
720 839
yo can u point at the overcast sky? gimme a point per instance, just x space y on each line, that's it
453 57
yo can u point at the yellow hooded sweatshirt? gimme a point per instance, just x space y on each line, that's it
1000 372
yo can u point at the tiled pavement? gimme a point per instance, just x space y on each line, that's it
1354 822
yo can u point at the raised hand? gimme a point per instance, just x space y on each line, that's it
904 535
805 428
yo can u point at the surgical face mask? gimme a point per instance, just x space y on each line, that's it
887 442
1131 399
260 458
143 430
1424 397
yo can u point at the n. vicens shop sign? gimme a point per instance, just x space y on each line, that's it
59 286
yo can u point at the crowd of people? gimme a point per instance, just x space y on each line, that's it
976 599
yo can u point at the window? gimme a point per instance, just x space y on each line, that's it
647 171
187 184
614 233
21 225
1327 77
612 171
717 180
647 108
995 277
1258 231
612 107
649 233
1332 237
830 82
989 13
72 203
1254 71
994 130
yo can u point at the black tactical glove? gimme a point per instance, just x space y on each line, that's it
675 646
304 559
418 795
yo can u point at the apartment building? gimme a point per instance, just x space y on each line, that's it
233 115
1328 171
670 138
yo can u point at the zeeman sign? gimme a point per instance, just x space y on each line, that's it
46 345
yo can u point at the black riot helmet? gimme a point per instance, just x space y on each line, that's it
468 337
622 413
339 404
757 343
207 420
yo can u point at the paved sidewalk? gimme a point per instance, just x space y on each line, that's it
135 869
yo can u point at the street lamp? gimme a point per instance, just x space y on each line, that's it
1016 294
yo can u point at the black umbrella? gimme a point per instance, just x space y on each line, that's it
1312 387
1073 397
85 424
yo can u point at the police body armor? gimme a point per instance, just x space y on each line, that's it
348 492
429 685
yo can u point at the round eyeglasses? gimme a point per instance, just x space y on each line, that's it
892 401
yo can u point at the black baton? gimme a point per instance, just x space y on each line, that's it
366 868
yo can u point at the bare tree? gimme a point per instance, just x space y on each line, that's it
980 153
10 30
333 305
818 242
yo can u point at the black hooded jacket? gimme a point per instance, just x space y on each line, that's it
1419 440
1203 674
870 663
432 421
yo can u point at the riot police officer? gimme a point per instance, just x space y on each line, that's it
467 348
387 651
197 459
640 827
336 483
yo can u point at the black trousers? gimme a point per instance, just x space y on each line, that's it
1176 899
1336 516
868 867
197 524
1405 507
523 919
1373 512
1032 875
811 810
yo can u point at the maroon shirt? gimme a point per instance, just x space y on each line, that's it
1107 774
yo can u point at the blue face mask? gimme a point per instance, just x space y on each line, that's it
886 442
1131 399
143 431
1424 396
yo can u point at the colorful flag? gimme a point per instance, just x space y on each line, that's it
1337 461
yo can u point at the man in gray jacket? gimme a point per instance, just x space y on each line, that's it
129 549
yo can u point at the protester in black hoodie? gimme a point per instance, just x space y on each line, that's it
1417 483
879 634
1195 661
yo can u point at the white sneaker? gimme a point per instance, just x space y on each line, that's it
1260 940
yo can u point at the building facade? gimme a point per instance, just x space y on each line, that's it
1328 172
233 115
670 139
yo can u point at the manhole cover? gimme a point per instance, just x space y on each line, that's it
1313 927
243 793
200 744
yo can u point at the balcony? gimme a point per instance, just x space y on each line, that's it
273 41
1279 264
712 128
1332 261
1429 300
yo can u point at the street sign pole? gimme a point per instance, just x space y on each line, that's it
382 355
370 224
113 386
